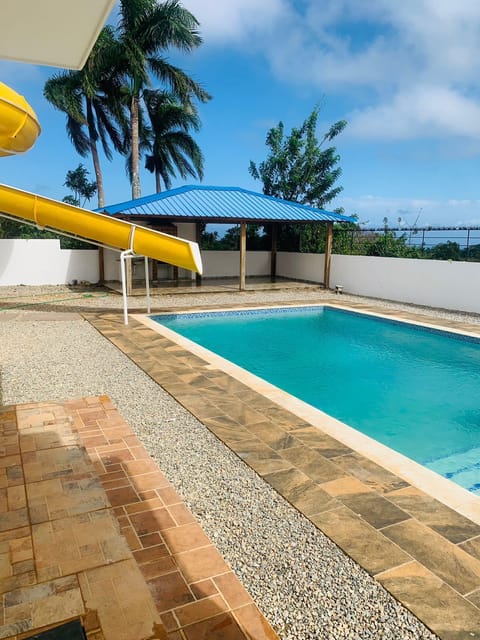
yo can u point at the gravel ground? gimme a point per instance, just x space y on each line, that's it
21 298
307 588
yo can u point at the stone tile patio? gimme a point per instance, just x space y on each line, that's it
425 553
90 529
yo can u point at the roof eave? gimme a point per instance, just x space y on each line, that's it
218 219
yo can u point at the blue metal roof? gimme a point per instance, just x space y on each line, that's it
229 204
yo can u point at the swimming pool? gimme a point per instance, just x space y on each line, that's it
411 388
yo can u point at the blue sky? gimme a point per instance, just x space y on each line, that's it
405 75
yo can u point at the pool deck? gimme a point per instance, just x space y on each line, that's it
403 532
91 530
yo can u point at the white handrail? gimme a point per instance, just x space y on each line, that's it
128 255
125 255
147 284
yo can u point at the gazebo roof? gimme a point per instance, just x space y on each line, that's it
221 205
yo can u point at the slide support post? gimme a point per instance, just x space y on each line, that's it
147 285
124 255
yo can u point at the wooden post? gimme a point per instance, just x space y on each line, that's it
101 266
273 254
243 252
154 273
328 255
198 237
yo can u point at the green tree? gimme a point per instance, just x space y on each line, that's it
472 253
90 100
384 243
445 251
209 239
147 30
12 229
231 239
300 169
172 148
83 190
297 168
345 237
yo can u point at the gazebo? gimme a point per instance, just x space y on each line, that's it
227 205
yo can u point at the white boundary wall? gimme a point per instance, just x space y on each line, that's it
38 262
222 264
435 283
301 266
432 283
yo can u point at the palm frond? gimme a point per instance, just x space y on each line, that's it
78 137
179 82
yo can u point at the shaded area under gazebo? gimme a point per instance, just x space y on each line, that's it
227 205
213 285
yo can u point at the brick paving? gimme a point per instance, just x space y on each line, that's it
91 529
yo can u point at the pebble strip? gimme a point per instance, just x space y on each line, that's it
50 297
305 585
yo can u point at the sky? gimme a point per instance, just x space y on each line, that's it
405 75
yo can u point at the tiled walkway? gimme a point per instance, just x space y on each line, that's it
90 529
426 554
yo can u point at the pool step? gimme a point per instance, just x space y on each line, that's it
462 468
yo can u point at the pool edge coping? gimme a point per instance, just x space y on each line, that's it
435 485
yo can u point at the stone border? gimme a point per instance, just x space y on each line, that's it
437 486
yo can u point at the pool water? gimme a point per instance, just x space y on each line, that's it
413 389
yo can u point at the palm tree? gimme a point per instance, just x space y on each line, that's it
146 30
82 189
90 100
173 148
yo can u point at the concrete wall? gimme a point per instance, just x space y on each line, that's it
38 262
221 264
301 266
435 283
216 264
187 230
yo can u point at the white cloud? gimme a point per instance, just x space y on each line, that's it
413 65
357 43
235 21
345 42
371 211
418 112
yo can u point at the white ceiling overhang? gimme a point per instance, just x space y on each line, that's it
58 33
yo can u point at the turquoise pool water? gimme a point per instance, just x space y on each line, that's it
412 389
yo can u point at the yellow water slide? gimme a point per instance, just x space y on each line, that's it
19 129
98 227
19 126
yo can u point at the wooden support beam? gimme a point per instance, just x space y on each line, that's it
243 254
273 253
328 255
101 266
